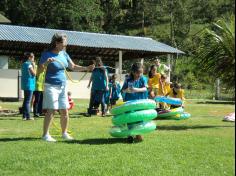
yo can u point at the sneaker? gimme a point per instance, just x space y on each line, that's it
49 138
24 119
66 136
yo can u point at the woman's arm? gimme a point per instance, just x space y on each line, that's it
138 90
32 69
78 68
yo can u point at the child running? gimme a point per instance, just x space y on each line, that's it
135 88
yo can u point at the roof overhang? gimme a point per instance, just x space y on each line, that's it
15 40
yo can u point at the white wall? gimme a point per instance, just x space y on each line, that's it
8 84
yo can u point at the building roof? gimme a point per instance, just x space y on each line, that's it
17 39
3 19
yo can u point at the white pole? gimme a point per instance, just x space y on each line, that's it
169 65
120 63
142 61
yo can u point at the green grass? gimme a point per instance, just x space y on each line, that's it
202 145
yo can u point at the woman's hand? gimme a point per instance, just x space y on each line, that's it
91 67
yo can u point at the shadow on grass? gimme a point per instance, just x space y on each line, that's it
98 141
178 128
18 139
217 102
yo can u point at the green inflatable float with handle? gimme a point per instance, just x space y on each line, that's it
133 118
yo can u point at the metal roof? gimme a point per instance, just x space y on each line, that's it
13 38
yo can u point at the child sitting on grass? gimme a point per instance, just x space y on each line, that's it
176 92
135 88
164 88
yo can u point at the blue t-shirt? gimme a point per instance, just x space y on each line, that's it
116 88
140 83
27 79
99 79
55 73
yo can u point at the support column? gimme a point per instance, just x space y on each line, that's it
169 65
19 91
120 63
142 61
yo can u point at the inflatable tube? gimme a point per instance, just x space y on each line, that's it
144 115
137 129
135 105
182 116
170 113
168 100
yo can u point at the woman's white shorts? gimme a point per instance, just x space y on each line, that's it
55 97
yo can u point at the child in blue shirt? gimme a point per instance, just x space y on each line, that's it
28 83
99 80
135 88
114 92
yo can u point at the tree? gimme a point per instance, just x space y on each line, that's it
217 51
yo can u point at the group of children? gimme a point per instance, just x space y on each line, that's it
136 86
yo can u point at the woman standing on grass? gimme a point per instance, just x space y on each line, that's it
54 62
28 84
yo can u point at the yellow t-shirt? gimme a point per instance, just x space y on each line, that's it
163 90
154 82
180 94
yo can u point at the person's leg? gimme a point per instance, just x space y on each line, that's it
103 104
40 105
91 102
64 120
27 100
36 103
47 121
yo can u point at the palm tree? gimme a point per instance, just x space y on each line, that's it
217 52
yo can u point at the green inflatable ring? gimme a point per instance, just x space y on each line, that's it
135 105
123 131
182 116
144 115
171 113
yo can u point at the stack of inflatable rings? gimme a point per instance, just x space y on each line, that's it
133 118
176 114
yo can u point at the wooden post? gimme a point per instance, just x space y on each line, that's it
217 89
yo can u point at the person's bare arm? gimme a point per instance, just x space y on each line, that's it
75 67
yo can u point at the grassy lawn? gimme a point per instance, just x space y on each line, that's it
202 145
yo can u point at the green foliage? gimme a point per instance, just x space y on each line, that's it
217 51
174 22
